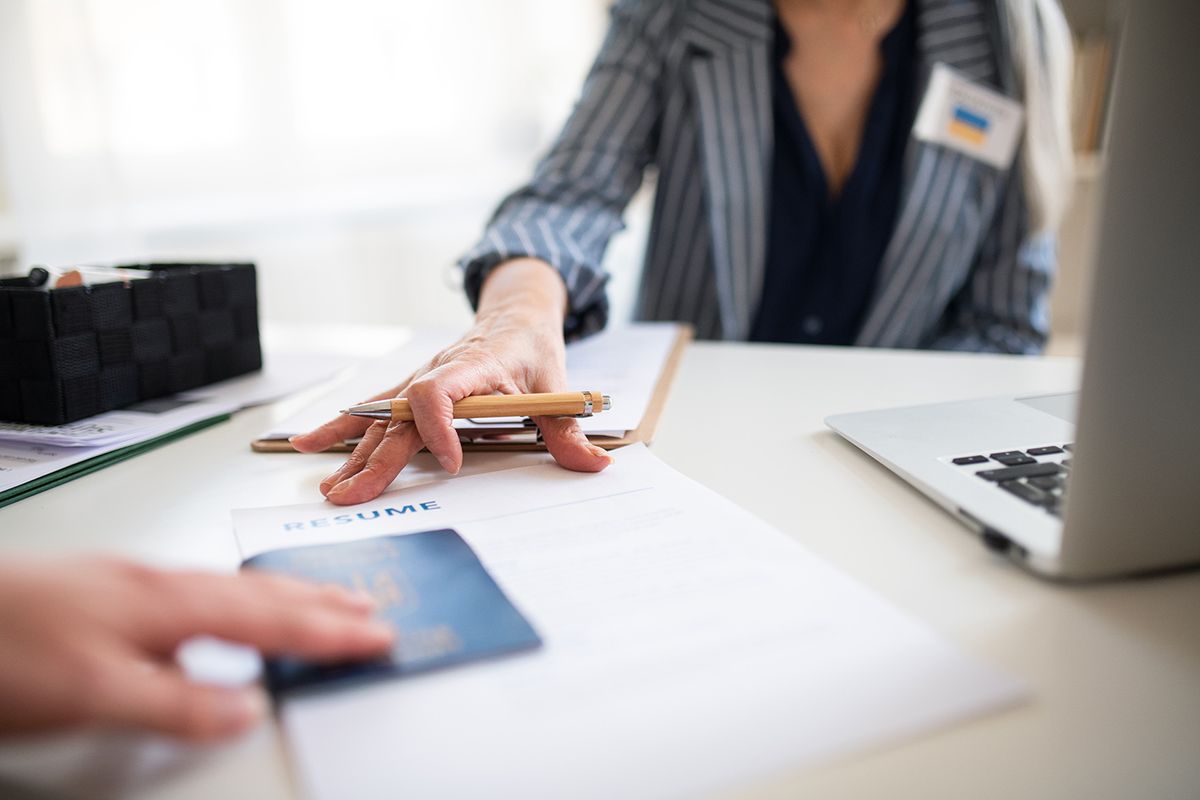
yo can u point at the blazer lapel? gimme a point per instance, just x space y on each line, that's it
944 192
730 43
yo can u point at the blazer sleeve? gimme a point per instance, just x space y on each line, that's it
1004 306
571 207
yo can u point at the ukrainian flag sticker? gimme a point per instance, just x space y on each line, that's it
968 125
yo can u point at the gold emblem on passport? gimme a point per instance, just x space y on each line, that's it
389 587
370 567
422 644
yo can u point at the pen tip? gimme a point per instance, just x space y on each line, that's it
344 411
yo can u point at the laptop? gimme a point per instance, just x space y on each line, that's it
1103 482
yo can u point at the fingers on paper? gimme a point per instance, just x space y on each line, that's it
562 435
377 467
569 446
357 460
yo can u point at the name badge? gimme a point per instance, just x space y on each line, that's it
969 118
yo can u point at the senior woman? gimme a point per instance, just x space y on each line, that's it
796 199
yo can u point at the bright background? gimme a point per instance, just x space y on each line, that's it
353 149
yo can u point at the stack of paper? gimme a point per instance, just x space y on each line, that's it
136 423
34 458
31 463
688 648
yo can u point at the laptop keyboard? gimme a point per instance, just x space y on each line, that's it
1037 475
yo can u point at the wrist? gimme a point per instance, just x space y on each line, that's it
525 291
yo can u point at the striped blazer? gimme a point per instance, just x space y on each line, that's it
683 87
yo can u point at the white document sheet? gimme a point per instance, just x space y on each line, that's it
21 462
28 452
624 362
283 374
689 648
110 428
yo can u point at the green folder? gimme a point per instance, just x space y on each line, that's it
81 468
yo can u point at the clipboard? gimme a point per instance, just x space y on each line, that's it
529 439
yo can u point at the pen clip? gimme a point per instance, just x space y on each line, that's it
524 422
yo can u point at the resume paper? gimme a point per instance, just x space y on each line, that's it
688 648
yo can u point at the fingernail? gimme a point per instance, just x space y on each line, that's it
239 709
600 452
330 482
448 464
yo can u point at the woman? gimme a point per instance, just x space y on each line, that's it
793 202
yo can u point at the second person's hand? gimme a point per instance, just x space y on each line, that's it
515 346
93 642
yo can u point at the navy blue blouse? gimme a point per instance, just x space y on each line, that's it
823 253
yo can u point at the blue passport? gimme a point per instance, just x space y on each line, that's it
429 586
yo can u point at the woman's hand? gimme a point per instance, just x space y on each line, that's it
516 346
93 641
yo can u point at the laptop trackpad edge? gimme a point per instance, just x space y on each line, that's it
1065 406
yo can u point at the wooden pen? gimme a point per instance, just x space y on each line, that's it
483 406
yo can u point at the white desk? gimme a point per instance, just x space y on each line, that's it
1115 669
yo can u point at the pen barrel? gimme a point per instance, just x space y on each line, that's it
549 404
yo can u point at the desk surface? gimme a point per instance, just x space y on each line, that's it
1114 668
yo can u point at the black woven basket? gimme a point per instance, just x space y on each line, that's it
69 353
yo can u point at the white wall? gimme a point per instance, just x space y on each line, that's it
354 150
